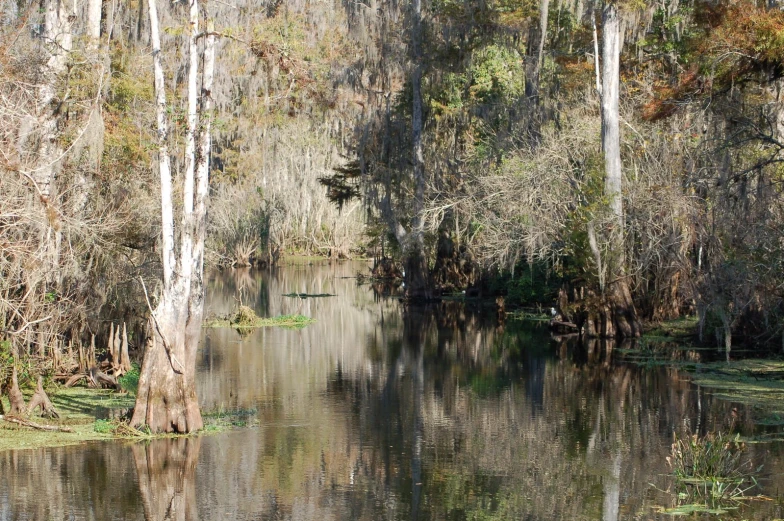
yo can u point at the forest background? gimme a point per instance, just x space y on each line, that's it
470 141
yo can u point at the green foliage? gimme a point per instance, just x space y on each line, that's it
103 426
593 208
529 284
497 75
130 380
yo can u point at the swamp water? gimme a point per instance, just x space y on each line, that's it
373 414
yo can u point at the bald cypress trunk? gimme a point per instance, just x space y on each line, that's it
167 401
623 313
416 275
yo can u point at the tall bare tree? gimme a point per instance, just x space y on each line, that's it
624 315
166 401
417 277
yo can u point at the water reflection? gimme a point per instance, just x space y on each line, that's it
372 413
166 472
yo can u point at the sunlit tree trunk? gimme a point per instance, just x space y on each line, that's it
166 400
58 41
534 69
623 312
94 22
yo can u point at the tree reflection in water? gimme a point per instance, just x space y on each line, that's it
374 412
166 471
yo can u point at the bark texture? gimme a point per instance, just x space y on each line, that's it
624 316
416 275
166 400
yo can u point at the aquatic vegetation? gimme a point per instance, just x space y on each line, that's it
309 295
711 472
244 318
103 426
219 421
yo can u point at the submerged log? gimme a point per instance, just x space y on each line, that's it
561 326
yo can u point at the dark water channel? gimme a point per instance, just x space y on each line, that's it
373 414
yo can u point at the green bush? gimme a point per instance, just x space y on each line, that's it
102 426
130 380
530 284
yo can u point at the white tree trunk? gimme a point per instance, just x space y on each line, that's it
416 266
58 42
186 232
596 67
623 319
167 400
94 22
533 73
203 174
611 136
164 162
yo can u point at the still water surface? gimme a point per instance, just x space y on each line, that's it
371 413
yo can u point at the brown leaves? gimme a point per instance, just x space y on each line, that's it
738 43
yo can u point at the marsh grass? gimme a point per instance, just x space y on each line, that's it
244 318
712 472
220 420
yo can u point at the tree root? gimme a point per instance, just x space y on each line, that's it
41 399
15 396
100 379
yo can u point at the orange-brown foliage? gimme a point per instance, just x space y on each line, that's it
739 41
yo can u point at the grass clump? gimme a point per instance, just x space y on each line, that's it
244 318
103 426
711 471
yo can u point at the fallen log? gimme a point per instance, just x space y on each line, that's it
75 378
562 326
34 425
101 379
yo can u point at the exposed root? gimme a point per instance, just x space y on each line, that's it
75 378
41 399
15 396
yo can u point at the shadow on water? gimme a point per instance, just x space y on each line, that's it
379 412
